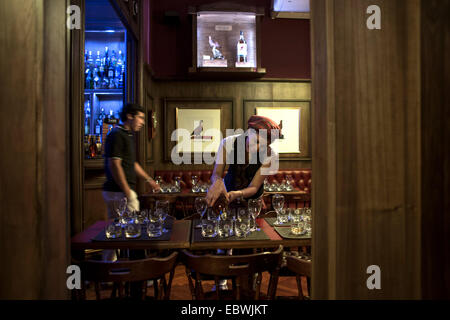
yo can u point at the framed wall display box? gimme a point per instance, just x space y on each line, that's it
293 117
194 128
226 40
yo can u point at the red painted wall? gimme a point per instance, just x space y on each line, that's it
285 43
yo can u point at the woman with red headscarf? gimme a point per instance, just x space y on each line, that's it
246 155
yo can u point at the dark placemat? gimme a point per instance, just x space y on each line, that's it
197 235
271 222
144 236
286 233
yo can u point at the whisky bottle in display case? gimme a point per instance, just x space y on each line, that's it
241 49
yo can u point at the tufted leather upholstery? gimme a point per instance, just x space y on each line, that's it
302 178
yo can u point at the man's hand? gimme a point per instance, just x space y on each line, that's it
215 191
132 201
155 187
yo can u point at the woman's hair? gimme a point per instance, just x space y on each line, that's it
130 108
258 123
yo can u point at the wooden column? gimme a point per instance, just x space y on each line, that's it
366 149
435 142
34 237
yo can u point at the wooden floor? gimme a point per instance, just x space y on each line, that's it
287 286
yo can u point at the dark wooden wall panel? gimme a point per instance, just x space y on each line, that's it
239 91
33 167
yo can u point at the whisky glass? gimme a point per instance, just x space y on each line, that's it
113 230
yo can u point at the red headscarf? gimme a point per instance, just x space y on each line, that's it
259 122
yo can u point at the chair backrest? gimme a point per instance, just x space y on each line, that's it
193 217
128 271
241 267
216 265
300 267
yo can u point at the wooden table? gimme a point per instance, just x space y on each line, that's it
274 241
180 239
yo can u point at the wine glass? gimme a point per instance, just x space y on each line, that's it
119 207
194 180
278 203
289 179
254 208
266 184
200 205
162 210
178 184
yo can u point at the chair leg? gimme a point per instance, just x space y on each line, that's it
273 285
169 286
97 290
216 281
121 290
190 283
258 286
155 288
299 287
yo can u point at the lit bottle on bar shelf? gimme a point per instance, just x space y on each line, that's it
105 80
88 77
93 151
86 146
86 68
99 145
113 59
97 79
90 61
111 77
111 118
101 72
87 118
119 64
98 60
242 49
100 119
106 58
121 79
89 80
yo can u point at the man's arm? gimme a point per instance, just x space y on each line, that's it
140 172
115 166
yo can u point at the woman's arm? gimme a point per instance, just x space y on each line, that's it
217 184
253 187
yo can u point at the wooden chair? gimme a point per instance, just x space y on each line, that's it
121 272
301 268
238 268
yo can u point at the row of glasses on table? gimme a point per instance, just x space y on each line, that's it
131 223
299 219
168 187
197 187
286 185
228 222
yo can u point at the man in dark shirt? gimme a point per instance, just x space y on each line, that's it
121 167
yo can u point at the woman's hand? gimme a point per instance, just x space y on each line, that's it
216 189
233 195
